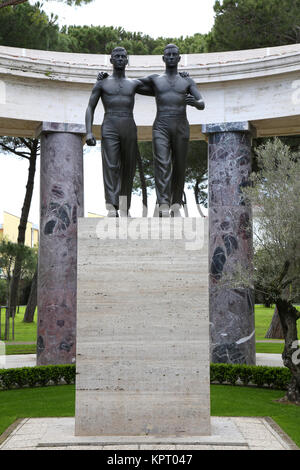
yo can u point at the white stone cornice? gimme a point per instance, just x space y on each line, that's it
215 67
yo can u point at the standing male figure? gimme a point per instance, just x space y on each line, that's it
173 92
119 133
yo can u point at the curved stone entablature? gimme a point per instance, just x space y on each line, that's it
261 86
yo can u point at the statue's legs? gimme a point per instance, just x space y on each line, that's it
119 151
170 148
180 145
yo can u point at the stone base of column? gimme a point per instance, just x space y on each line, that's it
142 328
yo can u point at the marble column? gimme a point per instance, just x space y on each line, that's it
61 203
231 242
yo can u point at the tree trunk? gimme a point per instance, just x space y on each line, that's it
143 184
32 301
22 228
14 287
7 313
6 331
289 315
11 3
275 329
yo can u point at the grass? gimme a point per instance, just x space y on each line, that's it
26 332
263 317
12 349
36 403
271 348
225 401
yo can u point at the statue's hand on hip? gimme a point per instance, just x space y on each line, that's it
102 76
90 140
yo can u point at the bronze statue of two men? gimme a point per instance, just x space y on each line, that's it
173 92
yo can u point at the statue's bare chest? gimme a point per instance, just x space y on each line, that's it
113 87
164 84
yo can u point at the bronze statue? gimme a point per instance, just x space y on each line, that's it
119 132
173 92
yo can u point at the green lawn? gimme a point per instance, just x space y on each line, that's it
225 401
263 317
24 332
36 402
269 348
20 349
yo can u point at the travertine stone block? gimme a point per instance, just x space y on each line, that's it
142 328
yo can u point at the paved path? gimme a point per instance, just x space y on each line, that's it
264 359
29 360
226 434
17 360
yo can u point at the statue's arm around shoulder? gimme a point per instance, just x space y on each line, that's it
89 114
145 85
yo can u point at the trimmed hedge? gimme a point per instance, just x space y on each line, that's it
260 376
37 376
233 374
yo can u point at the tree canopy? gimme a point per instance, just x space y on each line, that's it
275 193
28 26
239 24
250 24
8 3
103 39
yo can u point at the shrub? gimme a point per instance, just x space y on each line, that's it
260 376
37 376
233 374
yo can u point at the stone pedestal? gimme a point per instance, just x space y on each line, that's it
231 243
142 328
61 204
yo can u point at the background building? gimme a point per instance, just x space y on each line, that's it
9 230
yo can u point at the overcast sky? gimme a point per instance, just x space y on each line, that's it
168 18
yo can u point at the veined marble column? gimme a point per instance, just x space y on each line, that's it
61 203
231 242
